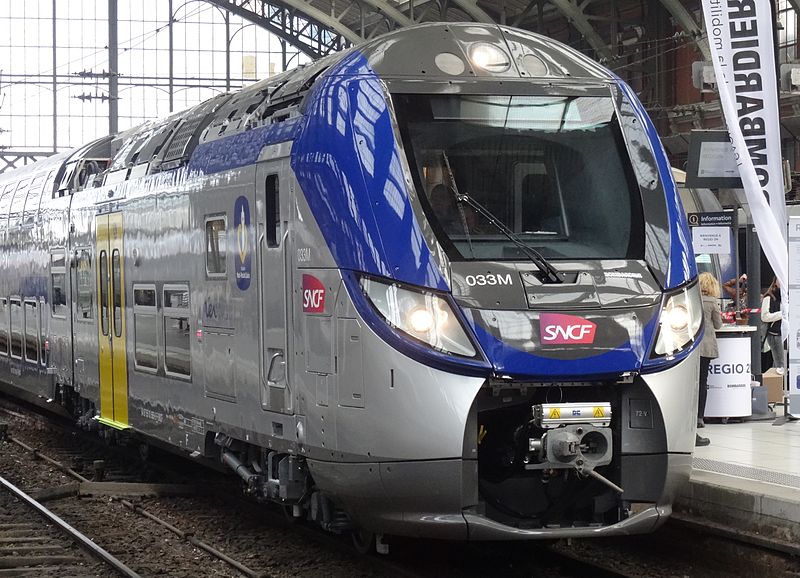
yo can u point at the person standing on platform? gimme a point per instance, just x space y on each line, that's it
771 314
709 288
737 308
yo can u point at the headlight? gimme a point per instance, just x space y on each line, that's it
489 57
680 321
421 314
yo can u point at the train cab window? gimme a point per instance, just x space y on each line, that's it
58 283
177 353
85 285
216 246
555 169
145 327
65 184
31 332
116 285
273 212
104 292
16 328
4 327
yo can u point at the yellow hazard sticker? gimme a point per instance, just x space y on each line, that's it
555 413
598 412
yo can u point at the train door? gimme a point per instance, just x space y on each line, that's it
275 285
111 314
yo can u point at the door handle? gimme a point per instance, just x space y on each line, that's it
272 359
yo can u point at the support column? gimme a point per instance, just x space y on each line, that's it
54 87
113 72
227 52
171 59
754 295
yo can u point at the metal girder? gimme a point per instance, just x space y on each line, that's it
315 33
11 159
318 32
575 16
686 21
390 11
476 13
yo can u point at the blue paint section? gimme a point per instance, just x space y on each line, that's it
682 268
408 346
508 360
521 364
350 168
632 355
242 232
240 149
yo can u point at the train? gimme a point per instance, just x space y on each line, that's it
437 285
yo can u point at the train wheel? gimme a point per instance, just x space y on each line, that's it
363 541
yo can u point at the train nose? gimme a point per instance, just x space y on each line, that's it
600 321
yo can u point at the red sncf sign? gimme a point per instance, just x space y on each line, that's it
557 329
313 295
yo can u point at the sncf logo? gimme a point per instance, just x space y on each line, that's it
313 295
557 329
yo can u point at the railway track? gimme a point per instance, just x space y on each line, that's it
255 526
44 544
232 536
181 512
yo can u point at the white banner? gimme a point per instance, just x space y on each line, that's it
742 48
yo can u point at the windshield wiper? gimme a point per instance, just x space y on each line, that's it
535 256
550 272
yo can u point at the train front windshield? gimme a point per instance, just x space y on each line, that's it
553 169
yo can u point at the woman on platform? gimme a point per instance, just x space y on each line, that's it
771 314
709 288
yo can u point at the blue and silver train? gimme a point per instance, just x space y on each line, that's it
438 285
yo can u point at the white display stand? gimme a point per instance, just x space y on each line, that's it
794 316
729 374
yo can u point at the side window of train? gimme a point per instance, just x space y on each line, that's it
84 281
273 212
216 246
177 353
58 283
3 327
16 328
42 331
145 327
31 332
104 292
116 283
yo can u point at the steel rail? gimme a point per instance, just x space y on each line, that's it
194 541
93 548
51 461
184 535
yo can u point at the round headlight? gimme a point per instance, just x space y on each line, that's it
489 57
421 320
678 318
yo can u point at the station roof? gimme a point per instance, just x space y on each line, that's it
598 27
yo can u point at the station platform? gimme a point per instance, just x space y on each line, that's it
747 479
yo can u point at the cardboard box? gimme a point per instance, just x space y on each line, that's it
774 384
